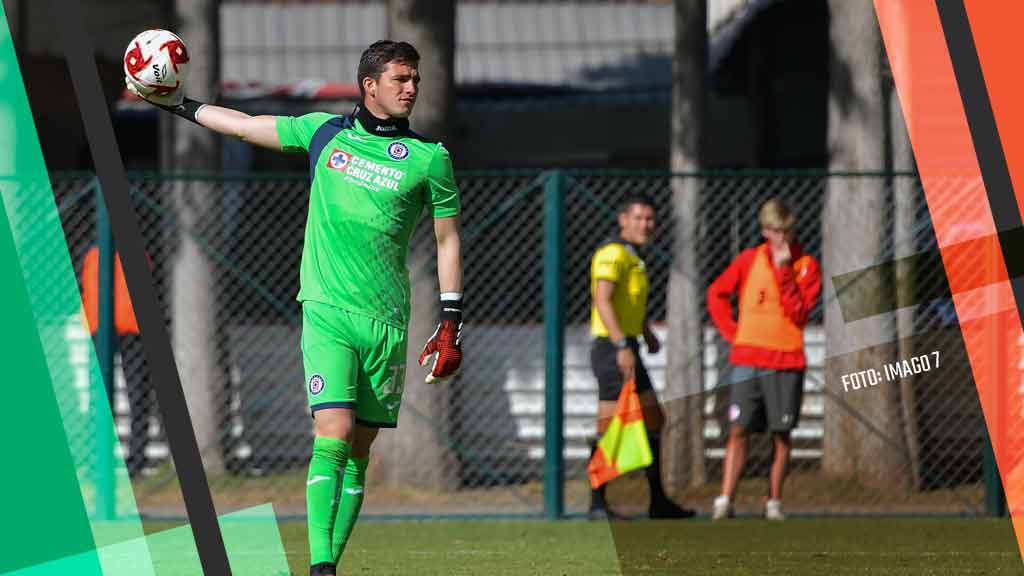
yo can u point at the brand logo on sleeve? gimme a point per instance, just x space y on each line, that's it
398 151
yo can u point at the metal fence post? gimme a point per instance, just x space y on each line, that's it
554 344
102 404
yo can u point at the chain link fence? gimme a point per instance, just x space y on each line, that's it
225 253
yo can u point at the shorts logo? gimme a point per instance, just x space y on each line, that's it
734 412
398 151
316 384
338 160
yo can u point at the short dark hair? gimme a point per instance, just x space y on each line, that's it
634 199
376 58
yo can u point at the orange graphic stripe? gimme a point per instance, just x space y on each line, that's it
960 210
995 26
996 29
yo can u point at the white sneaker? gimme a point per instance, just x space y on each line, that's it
773 510
722 508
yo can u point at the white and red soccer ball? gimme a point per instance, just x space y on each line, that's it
156 63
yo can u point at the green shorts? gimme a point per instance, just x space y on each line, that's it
353 361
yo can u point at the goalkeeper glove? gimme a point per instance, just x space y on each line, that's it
445 346
175 102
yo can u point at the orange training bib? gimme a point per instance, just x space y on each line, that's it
762 320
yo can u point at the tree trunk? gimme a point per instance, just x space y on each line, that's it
905 192
684 434
197 330
863 434
417 452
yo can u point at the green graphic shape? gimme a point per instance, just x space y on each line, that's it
39 266
68 509
253 544
251 538
44 514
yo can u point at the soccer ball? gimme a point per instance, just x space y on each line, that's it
156 63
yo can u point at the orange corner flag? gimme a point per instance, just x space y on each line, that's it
624 446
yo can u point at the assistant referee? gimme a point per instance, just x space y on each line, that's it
618 316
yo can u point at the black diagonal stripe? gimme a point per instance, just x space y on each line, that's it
164 372
984 133
857 291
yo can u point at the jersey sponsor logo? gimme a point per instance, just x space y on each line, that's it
366 173
316 384
398 151
339 160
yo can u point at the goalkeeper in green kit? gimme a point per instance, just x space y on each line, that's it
371 179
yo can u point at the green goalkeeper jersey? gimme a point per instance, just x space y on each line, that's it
366 196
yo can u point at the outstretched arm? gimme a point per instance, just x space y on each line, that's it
257 130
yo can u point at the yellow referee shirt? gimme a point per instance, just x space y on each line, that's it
618 262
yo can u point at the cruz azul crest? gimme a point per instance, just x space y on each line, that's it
398 151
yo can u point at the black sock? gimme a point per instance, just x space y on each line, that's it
323 569
654 472
597 501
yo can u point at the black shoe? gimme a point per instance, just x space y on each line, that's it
668 510
604 514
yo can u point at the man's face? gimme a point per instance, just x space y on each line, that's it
394 93
636 224
777 236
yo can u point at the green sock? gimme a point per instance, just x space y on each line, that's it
322 486
351 502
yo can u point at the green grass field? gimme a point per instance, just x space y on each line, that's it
823 546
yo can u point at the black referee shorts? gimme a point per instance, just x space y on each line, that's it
606 369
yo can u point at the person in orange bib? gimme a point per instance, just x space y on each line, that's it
777 286
138 388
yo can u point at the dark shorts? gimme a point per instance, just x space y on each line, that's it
606 369
760 397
